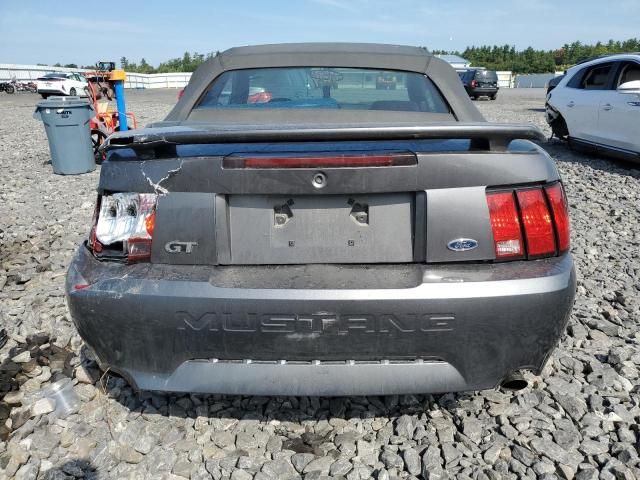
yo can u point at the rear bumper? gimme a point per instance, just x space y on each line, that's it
59 91
186 328
484 91
52 90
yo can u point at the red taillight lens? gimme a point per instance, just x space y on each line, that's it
505 225
540 213
474 84
180 94
560 210
538 228
138 249
329 161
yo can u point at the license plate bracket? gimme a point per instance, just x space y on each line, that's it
268 229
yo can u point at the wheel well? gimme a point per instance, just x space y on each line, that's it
560 128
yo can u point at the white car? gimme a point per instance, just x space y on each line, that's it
62 84
596 106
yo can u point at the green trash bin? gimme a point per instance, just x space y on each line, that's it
66 121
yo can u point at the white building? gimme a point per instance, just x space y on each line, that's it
455 61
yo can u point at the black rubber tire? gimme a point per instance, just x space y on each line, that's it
10 89
559 128
44 95
72 92
97 137
493 97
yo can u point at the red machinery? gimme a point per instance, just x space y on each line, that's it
104 84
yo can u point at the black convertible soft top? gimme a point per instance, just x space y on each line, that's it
355 55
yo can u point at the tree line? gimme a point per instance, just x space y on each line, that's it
187 63
506 57
495 57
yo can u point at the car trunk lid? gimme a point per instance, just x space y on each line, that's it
231 196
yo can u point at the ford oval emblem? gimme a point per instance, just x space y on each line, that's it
462 244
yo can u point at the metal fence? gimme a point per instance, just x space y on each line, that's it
157 80
537 80
9 71
29 72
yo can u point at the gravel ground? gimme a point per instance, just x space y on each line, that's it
578 420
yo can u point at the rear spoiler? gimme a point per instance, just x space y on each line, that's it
485 136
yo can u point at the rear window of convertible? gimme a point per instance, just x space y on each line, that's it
324 88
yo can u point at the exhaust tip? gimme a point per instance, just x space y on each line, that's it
514 382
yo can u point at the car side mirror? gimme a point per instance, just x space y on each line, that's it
632 87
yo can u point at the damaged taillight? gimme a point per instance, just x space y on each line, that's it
124 226
529 222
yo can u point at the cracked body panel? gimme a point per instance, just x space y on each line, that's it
157 187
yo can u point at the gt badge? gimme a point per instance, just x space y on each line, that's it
179 247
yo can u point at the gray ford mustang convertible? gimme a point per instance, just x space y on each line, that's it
290 229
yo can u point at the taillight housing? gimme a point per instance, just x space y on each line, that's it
529 222
123 226
474 84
